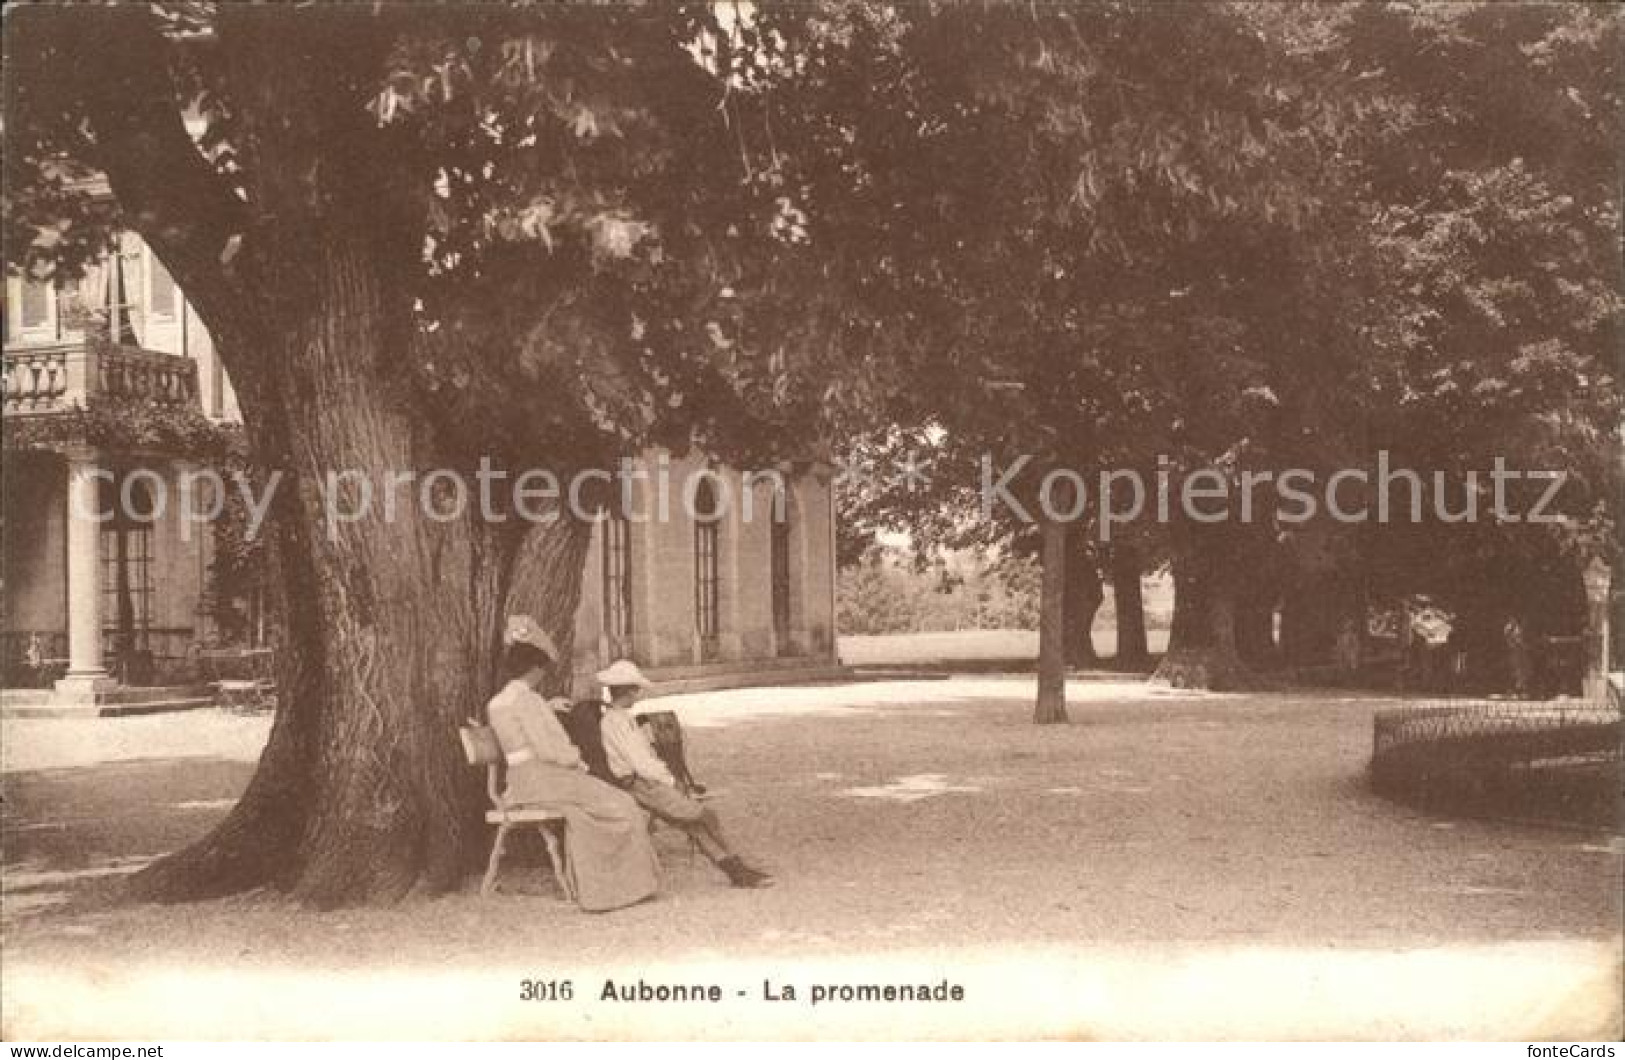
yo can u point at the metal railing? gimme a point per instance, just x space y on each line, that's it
1552 759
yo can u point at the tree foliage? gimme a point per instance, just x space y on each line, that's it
1241 237
1250 238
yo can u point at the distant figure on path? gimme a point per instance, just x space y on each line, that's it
1519 657
1348 646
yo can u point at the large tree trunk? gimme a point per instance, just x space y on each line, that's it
1050 709
1479 633
1255 632
1311 611
389 621
1084 596
256 844
1202 650
1133 653
392 622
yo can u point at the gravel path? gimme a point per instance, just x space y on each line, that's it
1168 865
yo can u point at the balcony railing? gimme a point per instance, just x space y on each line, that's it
43 379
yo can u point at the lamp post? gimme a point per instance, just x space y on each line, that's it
1597 577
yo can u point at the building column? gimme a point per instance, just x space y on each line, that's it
86 674
1598 581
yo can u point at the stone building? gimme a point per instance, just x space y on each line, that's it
114 616
736 586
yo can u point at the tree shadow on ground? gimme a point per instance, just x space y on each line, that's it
70 834
893 819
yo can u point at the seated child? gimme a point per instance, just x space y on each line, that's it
636 768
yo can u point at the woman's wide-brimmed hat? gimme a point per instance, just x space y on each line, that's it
522 629
622 673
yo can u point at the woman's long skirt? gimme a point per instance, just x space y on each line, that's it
607 851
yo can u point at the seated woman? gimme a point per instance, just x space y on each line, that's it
608 855
640 771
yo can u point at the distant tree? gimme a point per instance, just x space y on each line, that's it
1500 211
1345 248
1101 220
869 599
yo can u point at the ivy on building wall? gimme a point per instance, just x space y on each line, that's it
176 430
179 432
237 591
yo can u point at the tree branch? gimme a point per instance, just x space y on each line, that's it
168 191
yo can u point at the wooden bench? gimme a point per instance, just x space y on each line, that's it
242 678
480 747
245 697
